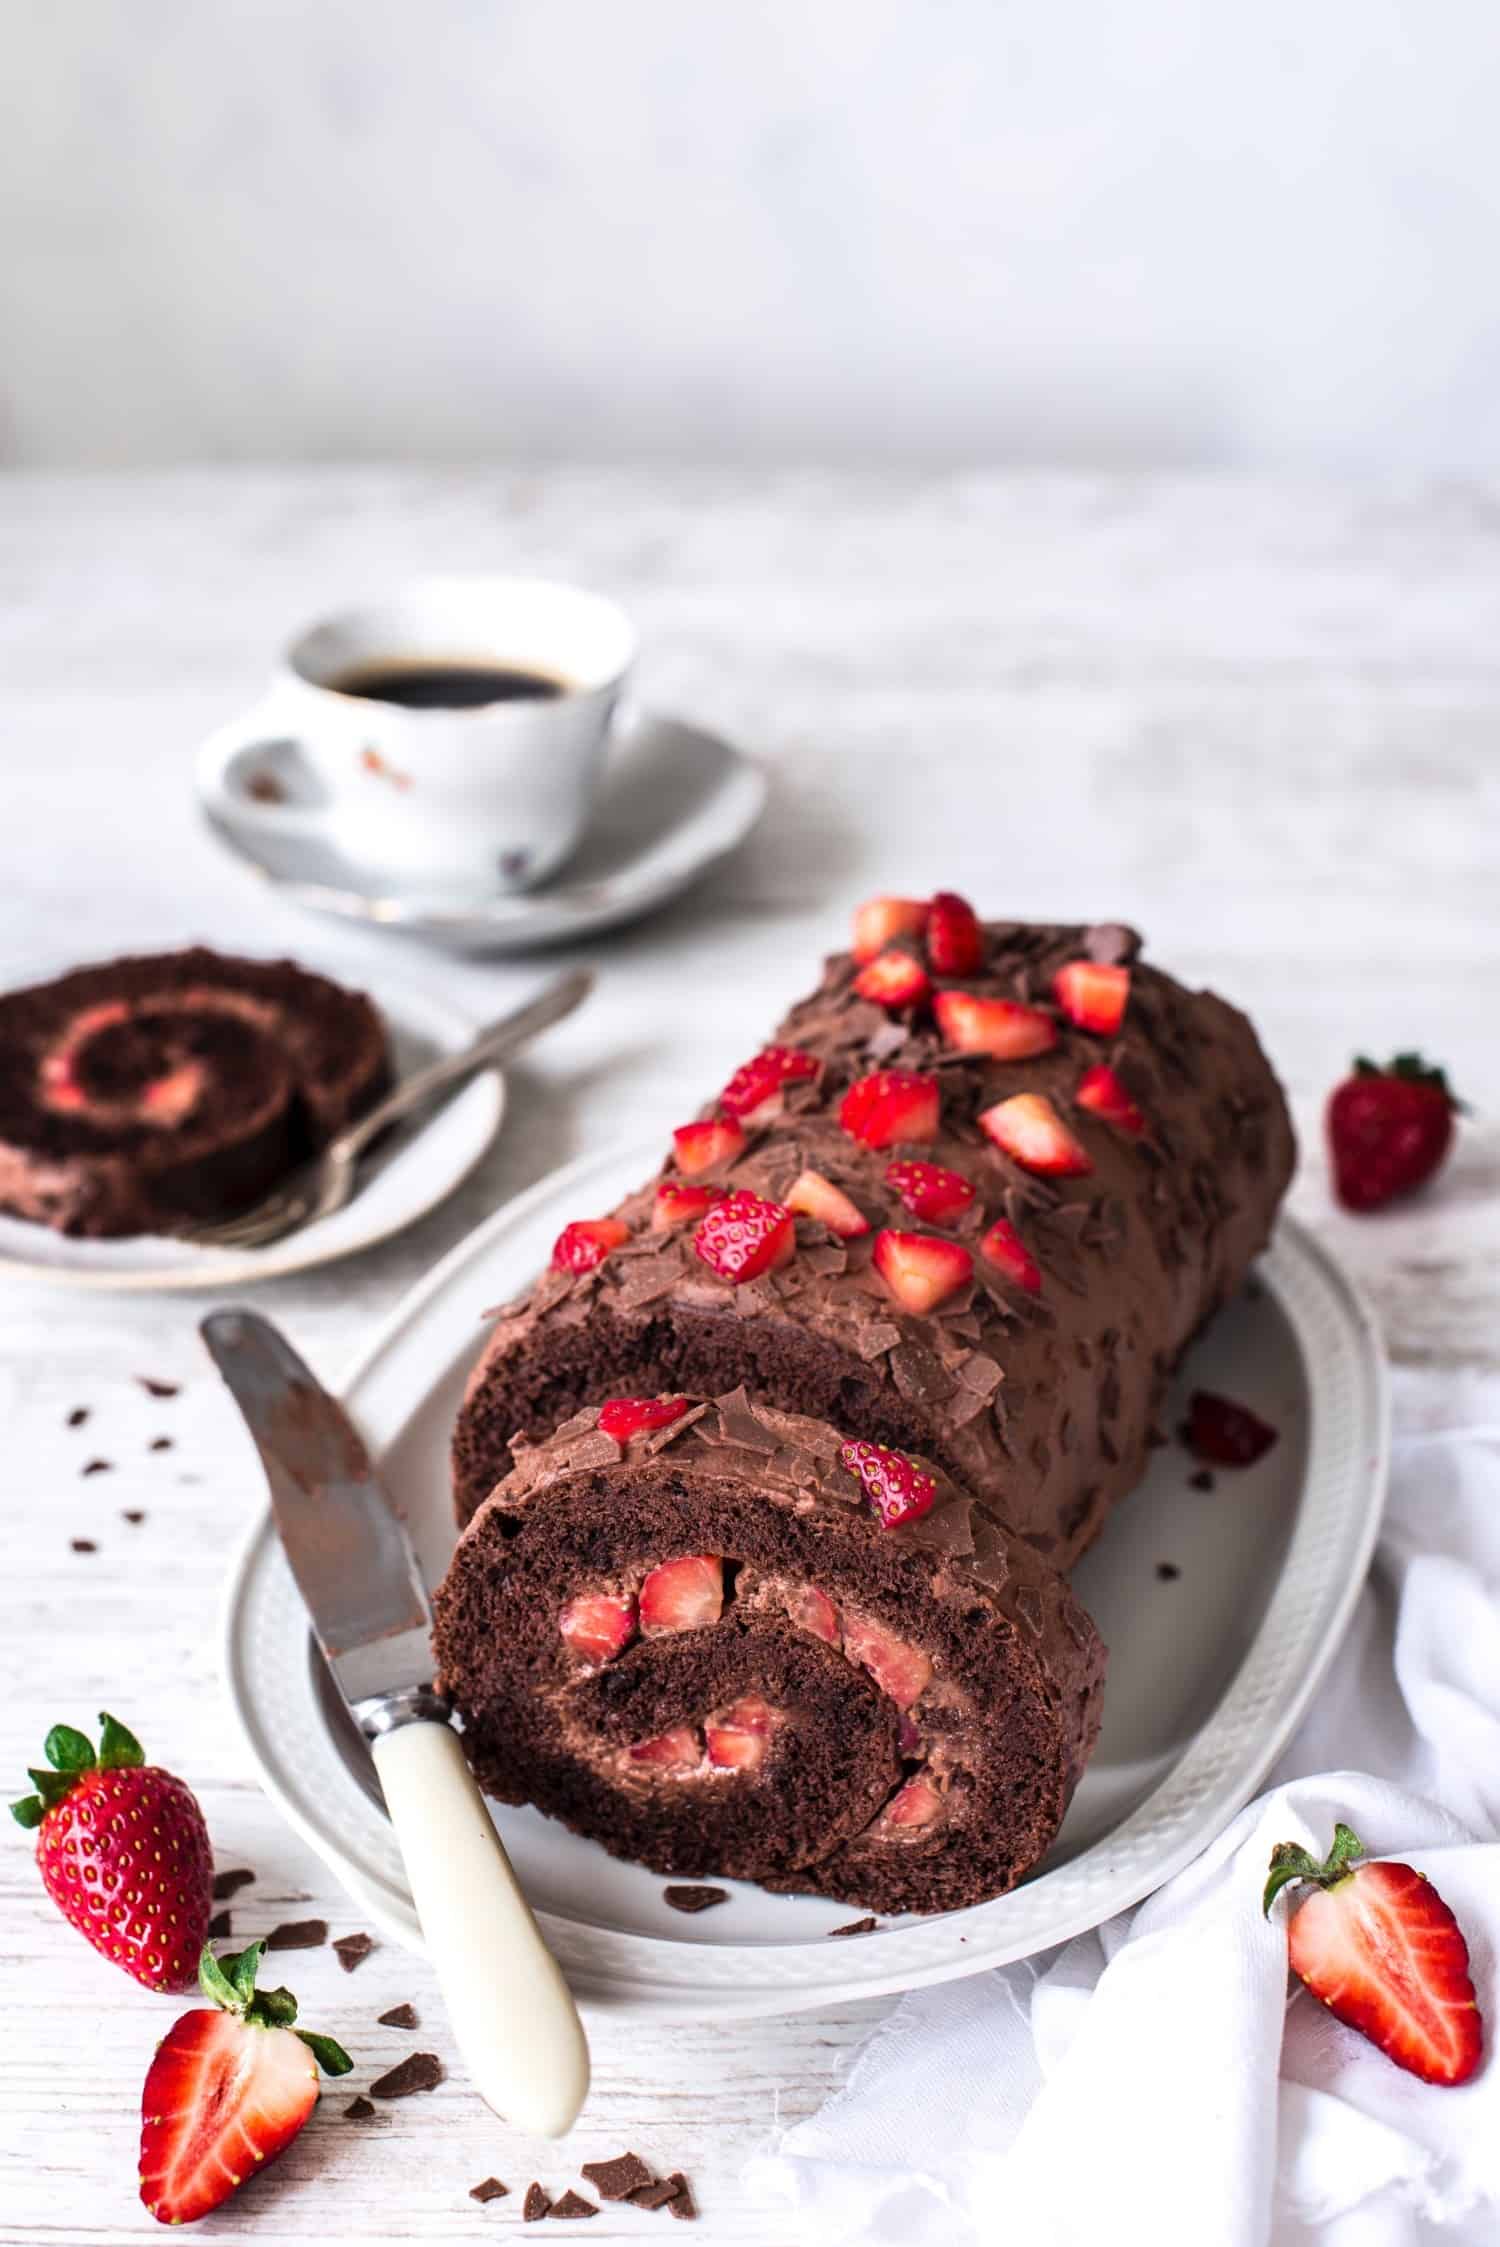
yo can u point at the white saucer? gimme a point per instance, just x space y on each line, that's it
422 1171
1209 1671
674 800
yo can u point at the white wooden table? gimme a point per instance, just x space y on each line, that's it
1263 723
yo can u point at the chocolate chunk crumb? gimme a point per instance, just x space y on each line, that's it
78 1415
359 2110
572 2204
263 787
222 1923
491 2189
353 1950
682 2202
419 2071
84 1545
617 2179
298 1935
1168 1571
229 1883
134 1515
689 1898
160 1443
1202 1480
653 2196
157 1388
400 2017
856 1927
536 2205
97 1467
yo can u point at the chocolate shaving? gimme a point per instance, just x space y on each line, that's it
1168 1571
228 1884
536 2204
134 1515
653 2196
682 2203
158 1388
160 1443
84 1545
97 1467
690 1898
220 1925
491 2189
399 2017
298 1935
359 2110
353 1950
1202 1480
78 1415
419 2071
865 1926
571 2205
617 2179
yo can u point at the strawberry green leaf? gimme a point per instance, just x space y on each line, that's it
331 2057
1289 1862
29 1811
242 1968
273 2009
67 1750
119 1750
50 1785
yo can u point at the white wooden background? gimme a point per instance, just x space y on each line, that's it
1263 722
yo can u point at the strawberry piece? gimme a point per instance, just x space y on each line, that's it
1033 1134
754 1091
893 979
227 2091
123 1852
901 1671
955 938
737 1740
928 1190
1003 1247
881 919
1092 996
586 1242
812 1610
743 1236
677 1204
1380 1948
897 1488
920 1270
1101 1092
678 1749
1223 1433
1388 1129
697 1147
891 1108
813 1195
624 1417
682 1595
1000 1028
917 1804
597 1627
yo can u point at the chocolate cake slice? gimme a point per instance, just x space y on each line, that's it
721 1638
148 1091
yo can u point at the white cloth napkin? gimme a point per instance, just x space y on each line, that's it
1149 2081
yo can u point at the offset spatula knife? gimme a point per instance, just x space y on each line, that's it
512 2013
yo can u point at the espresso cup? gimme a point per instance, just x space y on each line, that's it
454 733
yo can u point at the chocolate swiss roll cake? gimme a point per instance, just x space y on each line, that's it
721 1638
150 1091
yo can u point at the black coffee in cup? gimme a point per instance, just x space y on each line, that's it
428 684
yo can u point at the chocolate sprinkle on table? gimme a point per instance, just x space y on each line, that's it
97 1467
353 1950
1202 1480
222 1923
692 1898
491 2189
157 1388
653 2196
134 1515
78 1415
1168 1571
298 1935
617 2179
228 1883
537 2204
400 2017
419 2071
855 1927
359 2110
572 2204
84 1545
682 2202
160 1443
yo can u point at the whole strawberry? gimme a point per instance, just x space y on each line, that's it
228 2090
1380 1948
124 1853
1388 1129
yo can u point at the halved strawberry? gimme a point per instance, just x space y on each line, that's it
813 1195
900 1670
917 1804
677 1749
743 1236
880 919
897 1488
1092 995
1223 1433
955 938
893 979
920 1270
586 1242
754 1091
891 1108
1101 1092
1003 1247
597 1627
814 1611
1000 1028
624 1417
928 1190
227 2091
738 1738
1380 1948
683 1594
677 1204
1029 1129
697 1147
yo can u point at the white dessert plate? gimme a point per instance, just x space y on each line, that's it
673 801
1210 1669
422 1169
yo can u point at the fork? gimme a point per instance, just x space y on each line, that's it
323 1187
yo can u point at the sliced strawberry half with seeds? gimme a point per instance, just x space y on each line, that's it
917 1804
677 1204
737 1740
882 919
920 1270
893 979
1092 995
682 1595
754 1091
897 1488
892 1108
586 1242
1101 1092
928 1190
596 1627
902 1671
1029 1129
813 1195
624 1417
1003 1247
955 937
1000 1028
677 1749
812 1610
743 1237
697 1147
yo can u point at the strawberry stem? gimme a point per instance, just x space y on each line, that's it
1289 1862
229 1983
1413 1070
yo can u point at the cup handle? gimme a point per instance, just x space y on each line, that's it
274 718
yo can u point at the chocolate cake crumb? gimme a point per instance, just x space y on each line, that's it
617 2179
97 1467
419 2071
263 787
84 1545
856 1927
78 1415
536 2204
400 2017
572 2204
1202 1480
690 1897
229 1883
491 2189
222 1923
359 2110
353 1950
298 1935
682 2202
1168 1571
157 1388
653 2196
134 1515
160 1443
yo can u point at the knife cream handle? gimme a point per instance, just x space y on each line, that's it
513 2014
